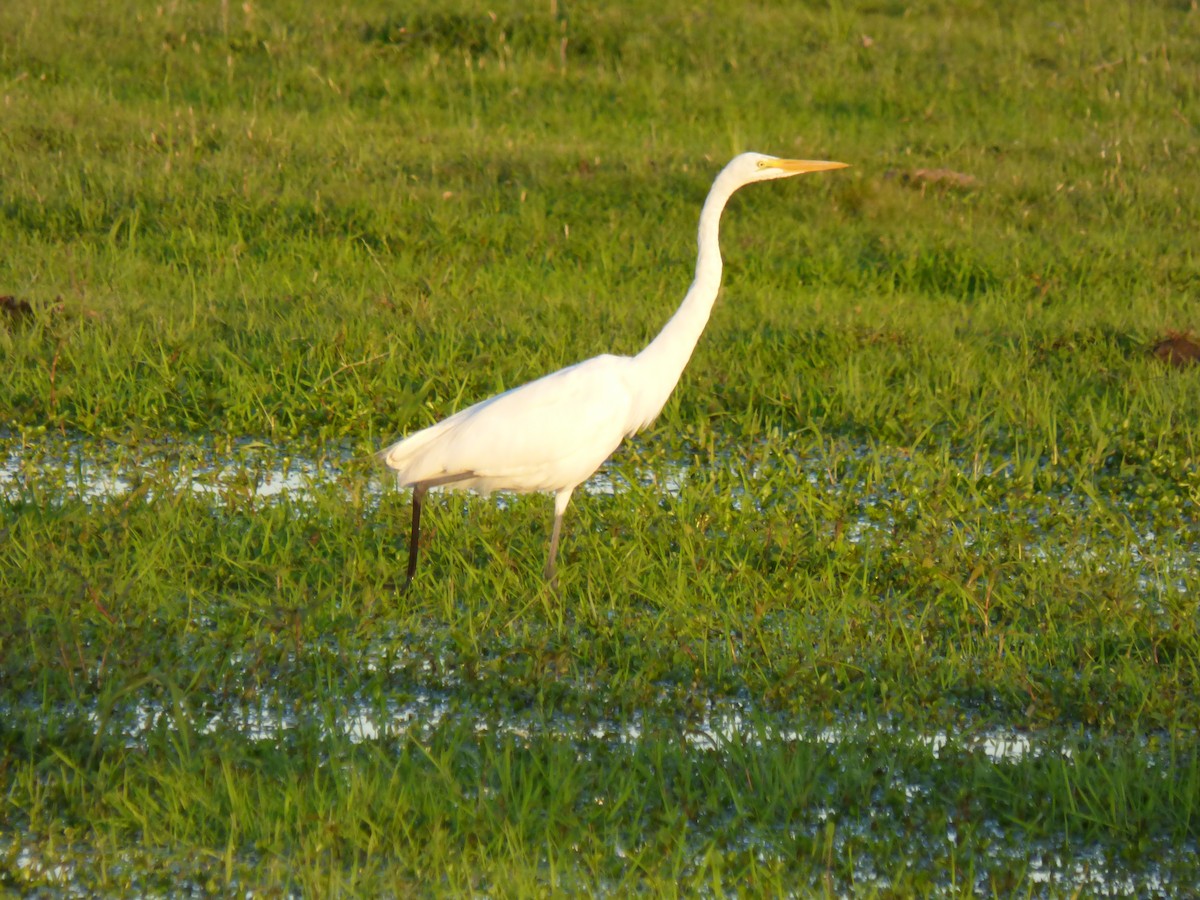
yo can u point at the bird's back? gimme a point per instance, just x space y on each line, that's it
547 435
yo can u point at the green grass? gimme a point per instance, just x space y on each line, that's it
921 478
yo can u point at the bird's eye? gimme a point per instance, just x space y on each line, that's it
762 164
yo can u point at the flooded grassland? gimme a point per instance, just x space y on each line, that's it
819 667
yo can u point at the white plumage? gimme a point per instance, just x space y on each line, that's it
553 433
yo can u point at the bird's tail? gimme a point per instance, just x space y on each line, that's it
404 456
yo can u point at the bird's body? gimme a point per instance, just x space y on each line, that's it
552 434
547 435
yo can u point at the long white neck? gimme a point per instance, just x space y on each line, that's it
662 362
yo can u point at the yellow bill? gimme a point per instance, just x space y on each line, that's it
806 165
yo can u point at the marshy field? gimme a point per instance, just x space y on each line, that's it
900 595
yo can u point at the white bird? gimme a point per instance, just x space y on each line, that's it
553 433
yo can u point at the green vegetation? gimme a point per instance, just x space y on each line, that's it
923 486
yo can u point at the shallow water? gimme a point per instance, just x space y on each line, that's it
98 473
869 484
1044 868
723 725
419 698
255 472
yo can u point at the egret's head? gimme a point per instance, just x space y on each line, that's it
750 167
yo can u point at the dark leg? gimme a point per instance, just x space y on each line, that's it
414 541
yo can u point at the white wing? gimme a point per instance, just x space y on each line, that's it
547 435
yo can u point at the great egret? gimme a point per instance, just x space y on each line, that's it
553 433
